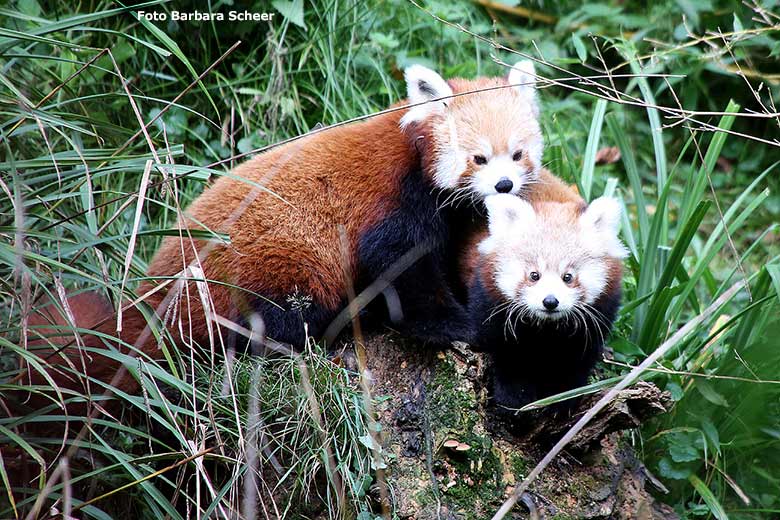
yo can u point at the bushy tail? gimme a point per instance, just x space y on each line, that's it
68 342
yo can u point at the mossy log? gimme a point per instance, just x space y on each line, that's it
449 457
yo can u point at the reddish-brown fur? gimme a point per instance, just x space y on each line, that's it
52 338
288 234
505 117
284 211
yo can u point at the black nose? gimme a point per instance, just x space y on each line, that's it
504 185
550 302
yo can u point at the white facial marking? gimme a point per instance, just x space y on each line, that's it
500 167
508 277
533 149
593 278
550 284
485 147
531 144
451 161
553 244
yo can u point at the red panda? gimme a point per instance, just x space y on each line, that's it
310 218
544 285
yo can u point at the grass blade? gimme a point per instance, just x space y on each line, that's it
589 159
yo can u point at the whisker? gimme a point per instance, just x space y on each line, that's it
497 309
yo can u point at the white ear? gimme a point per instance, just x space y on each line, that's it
507 216
507 212
603 217
423 85
523 76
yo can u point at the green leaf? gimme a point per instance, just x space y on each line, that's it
627 349
711 432
709 393
288 106
582 52
367 441
176 50
647 271
628 157
383 40
668 469
697 181
715 508
570 394
88 203
684 453
674 264
737 24
718 238
589 160
774 274
29 7
659 148
676 390
291 10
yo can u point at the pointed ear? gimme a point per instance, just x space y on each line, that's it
523 76
603 217
423 85
507 213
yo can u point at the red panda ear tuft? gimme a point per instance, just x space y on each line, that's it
507 215
423 86
523 77
603 213
603 216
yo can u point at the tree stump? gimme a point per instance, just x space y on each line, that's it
450 458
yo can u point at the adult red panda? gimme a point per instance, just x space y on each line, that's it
544 283
308 219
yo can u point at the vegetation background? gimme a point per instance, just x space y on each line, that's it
80 209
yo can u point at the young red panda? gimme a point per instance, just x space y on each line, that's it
310 218
543 290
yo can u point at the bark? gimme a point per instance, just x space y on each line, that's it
451 457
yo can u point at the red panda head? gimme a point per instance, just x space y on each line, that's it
553 260
482 143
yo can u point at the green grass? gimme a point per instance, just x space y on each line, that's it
71 167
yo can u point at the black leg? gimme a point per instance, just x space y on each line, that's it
428 309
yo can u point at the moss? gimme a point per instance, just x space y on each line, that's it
449 406
477 472
425 497
479 475
583 485
518 465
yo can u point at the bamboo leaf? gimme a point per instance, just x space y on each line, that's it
589 159
704 492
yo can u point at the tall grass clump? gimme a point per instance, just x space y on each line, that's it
110 126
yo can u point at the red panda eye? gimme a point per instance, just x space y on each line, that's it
517 156
480 159
567 278
534 276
